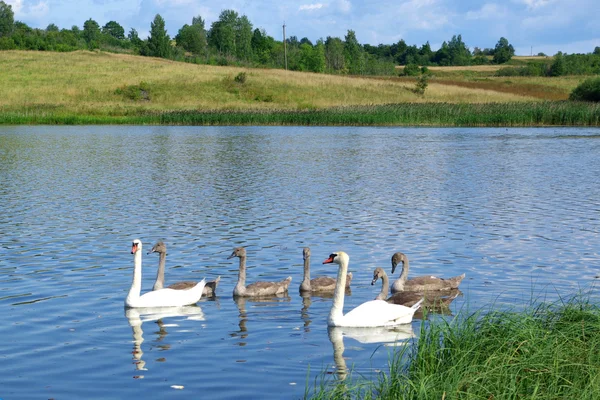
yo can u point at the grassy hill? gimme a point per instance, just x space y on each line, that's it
97 87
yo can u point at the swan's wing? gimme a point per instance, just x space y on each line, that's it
378 313
182 285
171 297
407 299
432 283
322 283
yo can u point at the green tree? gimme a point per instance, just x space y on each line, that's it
222 33
458 51
317 62
91 33
262 46
334 54
52 28
243 38
354 54
557 68
159 42
503 51
7 19
114 29
192 38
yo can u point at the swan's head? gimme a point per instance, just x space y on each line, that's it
159 247
306 253
378 273
398 258
136 246
337 258
238 252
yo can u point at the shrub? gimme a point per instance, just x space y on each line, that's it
588 90
411 70
421 84
241 78
135 92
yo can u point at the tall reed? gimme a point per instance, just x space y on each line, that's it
550 113
548 351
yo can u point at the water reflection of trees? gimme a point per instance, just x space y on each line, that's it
137 316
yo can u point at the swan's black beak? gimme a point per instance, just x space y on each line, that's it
231 256
394 266
375 278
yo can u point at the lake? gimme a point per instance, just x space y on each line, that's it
516 210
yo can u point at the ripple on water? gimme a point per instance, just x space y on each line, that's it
516 210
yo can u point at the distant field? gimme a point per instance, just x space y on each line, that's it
118 88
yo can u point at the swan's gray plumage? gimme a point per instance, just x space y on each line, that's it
256 289
321 283
420 283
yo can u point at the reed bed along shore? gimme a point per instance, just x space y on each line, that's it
548 351
557 113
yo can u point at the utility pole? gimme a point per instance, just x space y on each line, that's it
284 46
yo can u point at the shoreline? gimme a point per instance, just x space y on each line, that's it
517 114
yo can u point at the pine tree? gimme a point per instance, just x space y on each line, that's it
159 42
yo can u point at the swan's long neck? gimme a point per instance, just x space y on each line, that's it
385 283
305 285
136 285
404 273
337 309
160 275
399 283
241 283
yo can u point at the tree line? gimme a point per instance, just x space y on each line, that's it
232 40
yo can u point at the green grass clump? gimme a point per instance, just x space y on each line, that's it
135 92
549 351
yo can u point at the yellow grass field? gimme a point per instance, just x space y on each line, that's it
87 82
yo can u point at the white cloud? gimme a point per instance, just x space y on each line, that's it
344 6
489 10
533 4
40 9
310 7
16 5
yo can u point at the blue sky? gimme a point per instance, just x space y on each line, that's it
548 26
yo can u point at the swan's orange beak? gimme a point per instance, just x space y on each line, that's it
329 260
133 248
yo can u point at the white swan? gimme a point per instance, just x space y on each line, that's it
320 284
157 298
369 314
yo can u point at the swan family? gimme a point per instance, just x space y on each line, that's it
408 295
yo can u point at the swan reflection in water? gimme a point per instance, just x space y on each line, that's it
307 300
242 304
387 336
137 316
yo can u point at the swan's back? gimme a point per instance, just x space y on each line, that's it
377 313
430 283
262 288
327 283
170 297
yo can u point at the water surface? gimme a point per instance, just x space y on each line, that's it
517 210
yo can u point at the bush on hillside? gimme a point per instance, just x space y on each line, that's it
588 90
